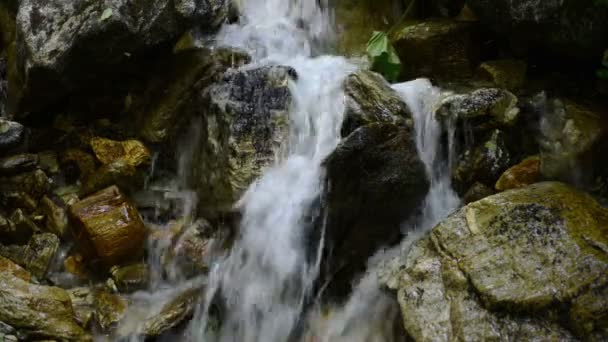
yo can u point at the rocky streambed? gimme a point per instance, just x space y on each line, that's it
129 136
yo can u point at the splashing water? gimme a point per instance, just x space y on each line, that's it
266 279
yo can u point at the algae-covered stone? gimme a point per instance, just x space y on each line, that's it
505 73
483 109
38 312
245 124
569 132
507 267
523 174
107 227
483 163
170 98
369 98
439 48
375 180
18 163
69 46
133 152
119 172
130 277
109 309
11 134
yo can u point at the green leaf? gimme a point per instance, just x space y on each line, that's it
383 57
106 14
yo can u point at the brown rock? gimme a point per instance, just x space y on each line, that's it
108 227
107 151
79 164
476 192
506 73
523 174
109 309
7 266
56 216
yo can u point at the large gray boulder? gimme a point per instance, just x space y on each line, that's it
245 121
549 27
68 45
375 180
525 264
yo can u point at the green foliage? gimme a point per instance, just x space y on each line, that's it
383 57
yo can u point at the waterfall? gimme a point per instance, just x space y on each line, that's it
266 279
369 314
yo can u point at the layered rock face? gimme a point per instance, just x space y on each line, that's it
521 264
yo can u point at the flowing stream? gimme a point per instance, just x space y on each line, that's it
265 281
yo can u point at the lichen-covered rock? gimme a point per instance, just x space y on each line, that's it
245 123
38 312
131 277
11 134
440 48
119 172
476 192
547 28
107 227
375 180
65 46
505 73
133 152
170 98
369 98
508 267
483 163
569 132
482 109
154 319
56 217
523 174
18 163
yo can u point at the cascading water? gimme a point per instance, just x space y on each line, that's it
267 277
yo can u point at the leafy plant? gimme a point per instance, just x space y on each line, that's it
603 72
383 57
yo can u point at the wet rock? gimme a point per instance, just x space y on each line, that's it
12 134
483 163
33 183
119 172
9 267
506 267
245 124
56 218
192 249
506 73
375 180
77 164
158 319
76 265
476 192
37 256
68 46
107 227
38 312
83 300
19 228
170 98
18 163
49 162
547 28
130 277
358 19
523 174
133 152
482 109
441 48
569 132
109 309
369 98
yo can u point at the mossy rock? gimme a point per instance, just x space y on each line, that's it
510 266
